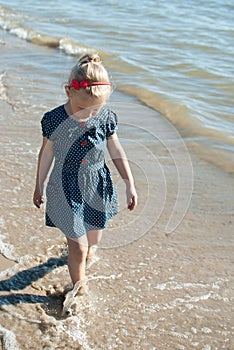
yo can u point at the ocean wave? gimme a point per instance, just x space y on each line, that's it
184 110
11 23
71 47
214 145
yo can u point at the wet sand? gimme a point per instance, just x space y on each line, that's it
153 291
147 289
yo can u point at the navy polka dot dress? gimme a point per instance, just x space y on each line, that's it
80 192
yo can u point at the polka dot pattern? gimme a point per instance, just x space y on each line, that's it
80 193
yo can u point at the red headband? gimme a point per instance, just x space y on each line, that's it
83 84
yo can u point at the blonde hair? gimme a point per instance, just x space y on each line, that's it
90 67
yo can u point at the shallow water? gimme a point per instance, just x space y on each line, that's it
163 276
175 57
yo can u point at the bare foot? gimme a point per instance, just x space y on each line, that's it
82 290
71 302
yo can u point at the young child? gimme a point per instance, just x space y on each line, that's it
81 197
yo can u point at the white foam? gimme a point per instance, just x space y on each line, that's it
21 32
8 339
70 326
194 330
8 250
195 343
180 335
72 329
187 302
206 330
71 302
2 221
174 285
71 47
207 347
3 92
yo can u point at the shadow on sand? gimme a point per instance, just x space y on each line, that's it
23 279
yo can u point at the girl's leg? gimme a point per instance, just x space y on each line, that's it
77 253
94 237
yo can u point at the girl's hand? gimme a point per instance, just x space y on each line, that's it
38 199
131 197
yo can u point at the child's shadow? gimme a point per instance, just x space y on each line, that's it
24 278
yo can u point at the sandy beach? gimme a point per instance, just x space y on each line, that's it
162 277
152 292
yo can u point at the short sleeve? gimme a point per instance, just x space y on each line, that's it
112 124
46 125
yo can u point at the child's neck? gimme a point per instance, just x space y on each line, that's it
80 114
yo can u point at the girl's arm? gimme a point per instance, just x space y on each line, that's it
119 159
46 156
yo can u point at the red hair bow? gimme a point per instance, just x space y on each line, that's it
83 84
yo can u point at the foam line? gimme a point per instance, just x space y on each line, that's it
8 250
8 339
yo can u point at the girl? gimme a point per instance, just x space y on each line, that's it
81 197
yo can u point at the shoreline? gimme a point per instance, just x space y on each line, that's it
190 267
214 145
176 289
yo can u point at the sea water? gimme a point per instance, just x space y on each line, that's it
176 57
